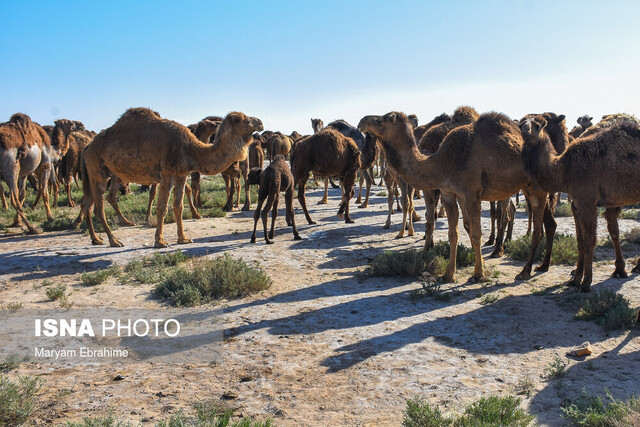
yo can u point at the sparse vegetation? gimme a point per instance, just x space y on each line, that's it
56 292
591 411
17 399
489 411
607 308
555 369
433 289
208 279
630 214
151 269
525 386
97 277
10 363
563 209
489 298
565 249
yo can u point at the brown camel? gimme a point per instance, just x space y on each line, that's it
327 153
599 169
204 130
419 131
584 123
475 162
68 133
142 147
317 125
25 148
279 144
274 179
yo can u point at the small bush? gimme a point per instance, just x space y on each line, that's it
565 249
490 411
17 399
56 292
209 279
151 269
592 411
211 414
96 277
431 288
555 369
607 308
465 255
57 224
108 421
563 210
525 386
10 363
489 299
630 214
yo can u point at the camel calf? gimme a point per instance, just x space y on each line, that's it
275 178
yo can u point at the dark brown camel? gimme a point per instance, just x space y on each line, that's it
327 153
274 179
599 169
584 123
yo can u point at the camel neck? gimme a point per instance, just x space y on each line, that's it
211 159
418 170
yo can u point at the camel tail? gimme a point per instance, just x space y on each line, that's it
84 175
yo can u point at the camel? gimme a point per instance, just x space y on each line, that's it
599 169
327 153
203 130
143 147
584 123
25 148
475 162
68 133
279 144
419 131
274 179
317 125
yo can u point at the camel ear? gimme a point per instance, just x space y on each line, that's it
590 118
561 117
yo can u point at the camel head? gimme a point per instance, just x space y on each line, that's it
253 178
387 128
60 136
294 135
585 121
316 125
533 127
413 119
206 127
78 126
237 130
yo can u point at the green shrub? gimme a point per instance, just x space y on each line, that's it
56 292
152 269
212 414
563 210
555 369
607 308
209 279
592 411
108 421
565 249
484 412
17 399
630 214
96 277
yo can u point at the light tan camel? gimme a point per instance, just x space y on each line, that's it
476 162
142 147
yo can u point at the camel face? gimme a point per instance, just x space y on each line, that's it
383 127
533 127
316 125
585 121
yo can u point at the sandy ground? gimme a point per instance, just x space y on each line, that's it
321 347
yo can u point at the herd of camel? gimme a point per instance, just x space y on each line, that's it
461 160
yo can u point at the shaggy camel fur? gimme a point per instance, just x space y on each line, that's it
584 123
317 125
25 148
142 147
599 169
279 144
68 133
274 179
419 131
475 162
204 130
327 153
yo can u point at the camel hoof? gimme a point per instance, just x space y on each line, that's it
184 241
339 215
115 243
271 235
523 276
399 235
571 284
196 216
246 208
349 221
358 201
322 202
161 244
477 279
269 242
489 242
72 205
496 254
362 206
297 238
618 274
446 279
386 226
543 268
97 242
253 239
127 223
636 269
585 289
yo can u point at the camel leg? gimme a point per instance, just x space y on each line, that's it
325 196
97 189
43 179
164 188
33 180
349 191
550 226
407 210
502 219
636 269
229 184
512 220
244 167
611 215
152 195
178 200
390 195
192 207
451 206
265 213
588 213
256 215
430 213
303 201
112 198
361 181
368 177
473 211
288 200
14 199
333 184
538 202
69 198
578 272
493 214
529 214
236 183
274 214
3 198
195 187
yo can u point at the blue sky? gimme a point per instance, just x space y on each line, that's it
288 61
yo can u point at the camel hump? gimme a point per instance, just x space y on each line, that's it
21 120
465 115
139 113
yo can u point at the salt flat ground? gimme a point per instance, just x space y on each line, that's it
321 347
